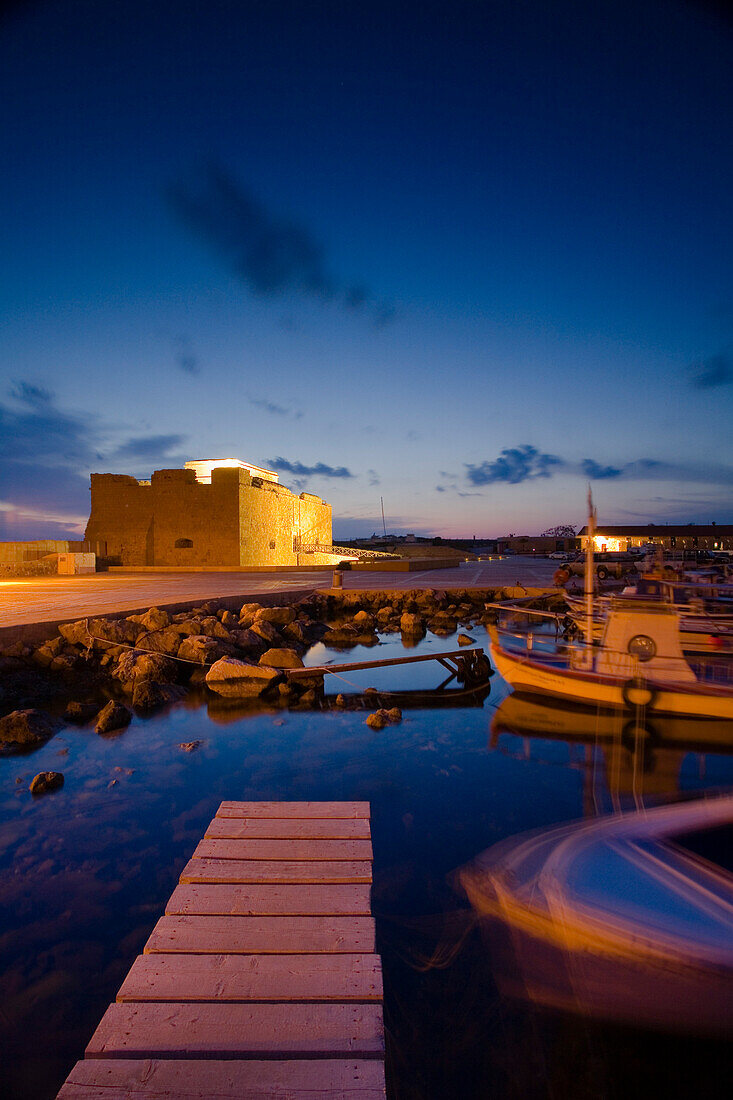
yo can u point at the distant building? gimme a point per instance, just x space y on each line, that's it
536 544
689 536
214 512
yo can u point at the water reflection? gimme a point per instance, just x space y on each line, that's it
85 872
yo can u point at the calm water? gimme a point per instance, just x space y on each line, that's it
85 874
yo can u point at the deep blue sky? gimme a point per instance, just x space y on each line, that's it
464 256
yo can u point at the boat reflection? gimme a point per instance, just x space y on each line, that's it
640 756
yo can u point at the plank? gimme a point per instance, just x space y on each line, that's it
275 899
238 1030
187 1079
387 662
293 849
261 935
284 871
284 810
296 828
342 978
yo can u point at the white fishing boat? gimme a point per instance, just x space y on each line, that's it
626 918
639 661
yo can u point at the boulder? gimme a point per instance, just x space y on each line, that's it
46 781
210 625
376 721
281 658
148 694
412 624
188 625
76 633
296 631
154 619
199 649
247 639
112 717
230 676
266 630
27 727
364 621
249 610
463 639
189 746
103 632
228 620
161 641
63 663
134 665
280 616
80 712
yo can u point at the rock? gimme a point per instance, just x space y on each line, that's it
344 634
148 694
17 649
228 620
63 663
307 700
27 727
376 721
281 658
394 714
134 664
199 649
284 689
112 717
230 676
161 641
249 610
364 621
278 615
76 633
412 624
46 652
154 619
46 781
80 712
296 631
189 746
463 639
247 639
340 700
265 629
211 626
188 625
384 614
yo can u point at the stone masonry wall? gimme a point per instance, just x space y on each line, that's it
176 520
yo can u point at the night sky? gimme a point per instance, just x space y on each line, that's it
466 256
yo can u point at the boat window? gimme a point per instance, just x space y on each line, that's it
643 647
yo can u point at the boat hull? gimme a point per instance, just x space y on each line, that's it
533 675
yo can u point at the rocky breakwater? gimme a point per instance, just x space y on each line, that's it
103 671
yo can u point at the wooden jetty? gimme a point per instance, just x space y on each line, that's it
470 665
261 980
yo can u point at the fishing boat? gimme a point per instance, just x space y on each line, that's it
626 918
639 661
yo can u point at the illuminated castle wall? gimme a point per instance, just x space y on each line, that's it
223 516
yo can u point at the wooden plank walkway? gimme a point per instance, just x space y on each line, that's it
261 979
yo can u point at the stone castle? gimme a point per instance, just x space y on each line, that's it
214 512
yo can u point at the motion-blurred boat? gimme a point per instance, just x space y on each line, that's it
626 918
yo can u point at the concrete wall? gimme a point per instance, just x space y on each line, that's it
178 521
15 553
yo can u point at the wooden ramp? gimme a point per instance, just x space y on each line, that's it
261 979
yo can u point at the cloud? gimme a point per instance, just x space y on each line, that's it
596 472
47 454
274 256
148 448
186 358
273 409
713 372
319 470
374 478
514 465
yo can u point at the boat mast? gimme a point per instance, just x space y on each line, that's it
589 576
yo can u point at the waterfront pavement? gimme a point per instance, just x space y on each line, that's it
30 606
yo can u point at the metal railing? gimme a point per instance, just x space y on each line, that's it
344 551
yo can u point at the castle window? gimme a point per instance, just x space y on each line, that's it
183 544
272 544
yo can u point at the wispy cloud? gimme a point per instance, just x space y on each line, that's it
185 357
273 255
300 470
149 448
273 409
596 472
373 477
513 466
713 372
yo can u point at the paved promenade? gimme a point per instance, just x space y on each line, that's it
28 604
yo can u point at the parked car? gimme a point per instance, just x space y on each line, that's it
559 555
607 563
